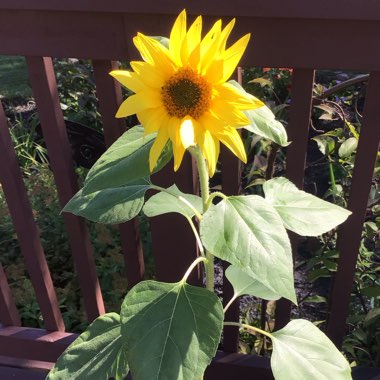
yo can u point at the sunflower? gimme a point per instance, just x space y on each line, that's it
181 91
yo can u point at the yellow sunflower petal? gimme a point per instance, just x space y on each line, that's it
173 127
225 34
231 139
154 53
214 71
192 40
209 46
148 74
210 149
212 65
232 56
152 119
186 131
138 102
128 79
239 99
228 113
177 36
227 135
157 147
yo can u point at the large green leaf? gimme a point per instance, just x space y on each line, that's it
264 123
244 284
172 330
110 206
247 232
98 353
301 212
305 352
126 161
173 200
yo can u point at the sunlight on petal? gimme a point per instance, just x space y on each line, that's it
187 132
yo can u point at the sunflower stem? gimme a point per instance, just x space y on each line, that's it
249 328
205 193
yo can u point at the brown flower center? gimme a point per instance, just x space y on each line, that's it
186 93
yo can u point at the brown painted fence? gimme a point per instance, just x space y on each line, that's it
303 35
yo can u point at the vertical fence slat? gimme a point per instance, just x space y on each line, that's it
27 231
110 97
299 120
350 232
42 78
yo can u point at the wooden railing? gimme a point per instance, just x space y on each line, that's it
305 36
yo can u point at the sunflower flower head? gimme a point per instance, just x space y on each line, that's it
181 91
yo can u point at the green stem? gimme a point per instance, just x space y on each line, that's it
179 197
205 193
192 266
249 328
197 238
229 303
332 178
214 195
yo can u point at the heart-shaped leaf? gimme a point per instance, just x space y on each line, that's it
173 200
244 284
110 206
172 330
301 212
98 353
247 232
125 161
305 352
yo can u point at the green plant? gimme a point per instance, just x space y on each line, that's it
77 91
27 144
171 330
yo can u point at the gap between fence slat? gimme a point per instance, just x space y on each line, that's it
297 130
110 97
42 78
350 232
27 233
231 185
8 311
